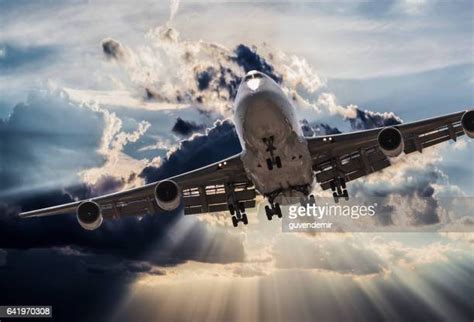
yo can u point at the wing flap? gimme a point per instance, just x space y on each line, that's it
216 197
416 142
357 165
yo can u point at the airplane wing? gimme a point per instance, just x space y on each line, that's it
348 156
203 190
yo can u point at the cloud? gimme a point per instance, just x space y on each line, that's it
204 77
249 60
17 59
117 163
217 143
246 270
186 128
315 129
365 119
149 239
113 49
174 6
45 141
414 191
327 255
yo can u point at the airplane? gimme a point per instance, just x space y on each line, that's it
276 161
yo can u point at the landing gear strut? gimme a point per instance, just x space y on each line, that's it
273 160
309 200
338 187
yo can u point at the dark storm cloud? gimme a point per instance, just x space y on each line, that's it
368 120
149 239
204 78
186 128
220 141
46 139
79 287
249 60
224 80
229 81
113 49
15 58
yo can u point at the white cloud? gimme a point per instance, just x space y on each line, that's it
117 163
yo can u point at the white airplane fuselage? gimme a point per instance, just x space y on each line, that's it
275 154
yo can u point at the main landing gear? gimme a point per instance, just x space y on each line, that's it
338 187
273 160
273 209
236 208
238 214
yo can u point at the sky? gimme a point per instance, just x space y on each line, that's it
96 98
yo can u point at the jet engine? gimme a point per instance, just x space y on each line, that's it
89 215
390 141
167 195
467 122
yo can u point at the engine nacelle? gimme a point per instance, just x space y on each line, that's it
167 195
467 122
390 141
89 215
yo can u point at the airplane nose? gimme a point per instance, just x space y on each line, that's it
253 79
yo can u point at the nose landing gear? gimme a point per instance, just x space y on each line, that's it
273 160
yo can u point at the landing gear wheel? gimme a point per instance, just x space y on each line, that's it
242 207
273 210
336 197
338 187
235 222
278 162
231 209
312 200
244 219
269 164
278 210
345 194
268 212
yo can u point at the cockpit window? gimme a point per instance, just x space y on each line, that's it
254 75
